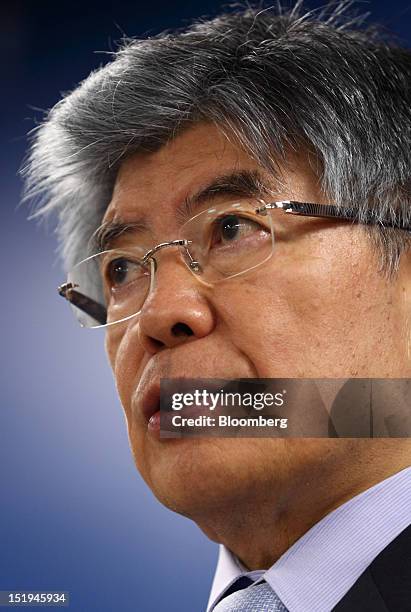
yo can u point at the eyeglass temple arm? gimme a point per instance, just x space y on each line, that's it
310 209
87 305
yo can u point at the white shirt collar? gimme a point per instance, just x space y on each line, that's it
327 560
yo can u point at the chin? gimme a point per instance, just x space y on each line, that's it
196 476
185 474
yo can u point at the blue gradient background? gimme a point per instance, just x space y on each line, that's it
74 513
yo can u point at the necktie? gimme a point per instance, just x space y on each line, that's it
255 598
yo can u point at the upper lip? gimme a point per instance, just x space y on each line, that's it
149 398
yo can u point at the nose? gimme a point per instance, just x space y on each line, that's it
177 310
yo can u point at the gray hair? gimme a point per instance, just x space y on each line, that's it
273 79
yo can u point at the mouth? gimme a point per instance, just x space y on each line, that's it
151 405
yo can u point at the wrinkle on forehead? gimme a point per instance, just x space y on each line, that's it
168 175
158 182
242 185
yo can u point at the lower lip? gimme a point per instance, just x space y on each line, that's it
154 423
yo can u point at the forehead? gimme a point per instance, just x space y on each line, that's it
150 187
163 179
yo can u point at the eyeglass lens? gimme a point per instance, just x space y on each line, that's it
226 241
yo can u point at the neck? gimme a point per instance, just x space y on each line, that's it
262 525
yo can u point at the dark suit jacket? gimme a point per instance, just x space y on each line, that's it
385 586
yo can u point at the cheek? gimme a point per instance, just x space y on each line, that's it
125 355
265 322
303 314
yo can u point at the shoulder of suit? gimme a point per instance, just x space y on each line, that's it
385 586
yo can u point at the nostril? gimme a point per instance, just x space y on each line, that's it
181 329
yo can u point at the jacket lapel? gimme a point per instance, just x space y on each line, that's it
362 597
385 586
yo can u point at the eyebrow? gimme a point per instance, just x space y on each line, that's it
241 183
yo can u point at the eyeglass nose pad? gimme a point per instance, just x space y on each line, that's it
153 270
196 268
193 264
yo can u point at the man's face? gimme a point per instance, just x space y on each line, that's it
317 308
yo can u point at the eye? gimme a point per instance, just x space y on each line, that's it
232 228
122 271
